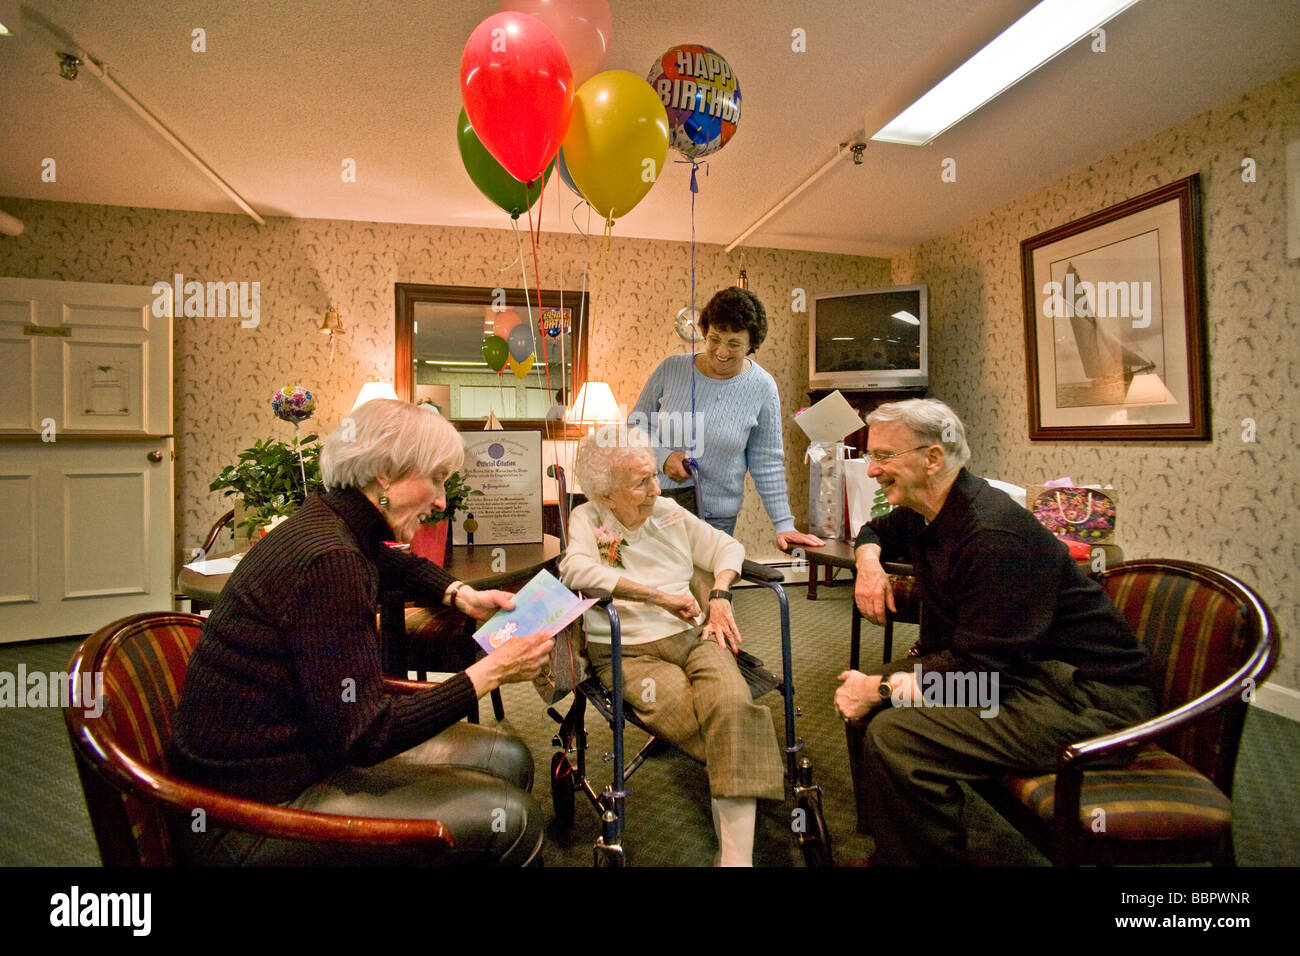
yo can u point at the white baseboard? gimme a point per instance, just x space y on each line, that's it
1279 700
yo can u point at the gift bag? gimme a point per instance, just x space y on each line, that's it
566 668
1075 513
826 489
866 499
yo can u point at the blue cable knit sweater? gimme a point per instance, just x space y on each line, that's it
739 429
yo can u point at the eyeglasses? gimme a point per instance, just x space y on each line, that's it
880 458
735 344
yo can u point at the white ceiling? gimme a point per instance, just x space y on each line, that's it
288 89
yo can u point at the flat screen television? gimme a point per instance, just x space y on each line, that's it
869 339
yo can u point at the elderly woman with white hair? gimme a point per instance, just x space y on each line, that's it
284 701
644 550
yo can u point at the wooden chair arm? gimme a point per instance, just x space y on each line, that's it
401 686
1088 751
250 816
215 531
1075 758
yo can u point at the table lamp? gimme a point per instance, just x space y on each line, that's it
374 390
594 405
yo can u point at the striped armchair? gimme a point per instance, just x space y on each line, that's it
1163 792
121 755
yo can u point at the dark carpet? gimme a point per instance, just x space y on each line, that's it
43 817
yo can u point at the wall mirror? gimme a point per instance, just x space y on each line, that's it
440 331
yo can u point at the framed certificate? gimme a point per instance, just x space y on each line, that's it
506 466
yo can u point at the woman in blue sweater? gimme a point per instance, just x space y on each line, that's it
736 425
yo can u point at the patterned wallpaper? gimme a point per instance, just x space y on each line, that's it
1220 503
225 374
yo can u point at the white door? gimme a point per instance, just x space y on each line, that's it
85 455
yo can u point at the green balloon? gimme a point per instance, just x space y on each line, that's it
495 350
491 177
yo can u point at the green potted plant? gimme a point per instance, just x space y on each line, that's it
432 539
268 480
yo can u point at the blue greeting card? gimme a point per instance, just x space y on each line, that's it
543 604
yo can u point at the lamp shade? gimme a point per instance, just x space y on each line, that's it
374 390
1148 389
595 403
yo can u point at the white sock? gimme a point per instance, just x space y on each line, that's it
733 820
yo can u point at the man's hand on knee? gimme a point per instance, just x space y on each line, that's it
858 693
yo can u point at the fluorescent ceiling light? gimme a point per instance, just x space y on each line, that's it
907 317
1042 33
841 338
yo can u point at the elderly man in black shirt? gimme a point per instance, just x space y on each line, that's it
1021 652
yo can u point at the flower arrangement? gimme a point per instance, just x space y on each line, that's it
265 477
608 543
272 477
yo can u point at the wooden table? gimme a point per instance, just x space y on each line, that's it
831 555
840 554
484 567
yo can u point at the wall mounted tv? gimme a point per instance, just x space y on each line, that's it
869 339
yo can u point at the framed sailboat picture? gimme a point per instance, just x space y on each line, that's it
1115 325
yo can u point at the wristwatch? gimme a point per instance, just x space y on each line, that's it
886 690
719 595
449 597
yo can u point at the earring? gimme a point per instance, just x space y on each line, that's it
383 501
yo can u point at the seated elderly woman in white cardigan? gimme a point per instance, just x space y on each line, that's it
644 549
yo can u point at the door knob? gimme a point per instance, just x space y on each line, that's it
154 456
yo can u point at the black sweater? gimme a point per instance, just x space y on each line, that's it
285 685
1001 592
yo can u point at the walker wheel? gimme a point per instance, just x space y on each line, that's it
815 842
562 789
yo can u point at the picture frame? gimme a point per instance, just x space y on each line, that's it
1115 323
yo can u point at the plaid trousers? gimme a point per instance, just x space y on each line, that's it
692 693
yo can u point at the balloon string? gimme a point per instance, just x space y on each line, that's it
585 233
534 238
695 188
514 227
577 356
523 270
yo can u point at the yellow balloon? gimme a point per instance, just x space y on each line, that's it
617 141
521 368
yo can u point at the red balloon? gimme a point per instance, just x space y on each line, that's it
583 27
518 91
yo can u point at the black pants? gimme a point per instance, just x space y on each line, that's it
474 779
907 761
